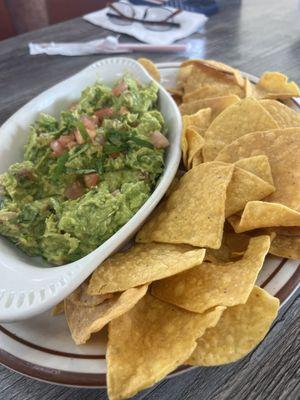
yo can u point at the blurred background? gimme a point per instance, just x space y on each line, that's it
19 16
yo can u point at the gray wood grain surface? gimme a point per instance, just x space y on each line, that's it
255 36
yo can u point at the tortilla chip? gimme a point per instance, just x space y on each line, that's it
199 121
83 320
194 213
285 116
286 247
191 142
206 72
257 165
150 67
143 263
217 105
275 85
149 341
227 68
260 214
58 309
282 147
233 247
240 329
212 90
237 120
244 187
195 143
182 76
248 88
81 297
209 285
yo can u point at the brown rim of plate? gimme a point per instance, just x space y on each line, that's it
86 380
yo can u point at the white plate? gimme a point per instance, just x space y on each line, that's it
42 348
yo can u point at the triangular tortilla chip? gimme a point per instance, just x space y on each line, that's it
286 246
199 198
209 285
237 120
275 85
150 67
217 105
143 263
282 147
240 329
260 214
150 341
195 144
199 121
258 165
83 320
285 116
212 90
244 187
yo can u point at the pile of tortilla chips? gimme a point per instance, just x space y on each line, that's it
185 292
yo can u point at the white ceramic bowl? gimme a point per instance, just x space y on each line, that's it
27 285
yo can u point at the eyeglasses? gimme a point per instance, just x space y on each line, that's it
154 18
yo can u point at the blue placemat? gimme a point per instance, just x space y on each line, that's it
207 7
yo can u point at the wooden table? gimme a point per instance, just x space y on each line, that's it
255 36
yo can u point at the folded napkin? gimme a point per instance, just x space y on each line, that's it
190 23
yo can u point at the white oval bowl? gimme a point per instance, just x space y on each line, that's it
27 285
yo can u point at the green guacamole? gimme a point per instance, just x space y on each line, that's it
85 174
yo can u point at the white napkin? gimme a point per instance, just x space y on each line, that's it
190 22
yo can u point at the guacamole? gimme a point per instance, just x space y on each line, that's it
85 174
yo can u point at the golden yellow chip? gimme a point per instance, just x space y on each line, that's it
212 90
58 309
217 105
195 143
240 329
143 263
199 121
83 320
195 212
285 116
244 187
248 88
282 147
260 214
150 67
192 143
275 85
207 72
226 68
183 75
209 285
286 246
258 165
237 120
149 341
81 297
233 247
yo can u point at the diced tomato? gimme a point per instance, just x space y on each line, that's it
78 137
115 154
120 88
158 140
57 148
74 191
64 140
91 180
104 112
